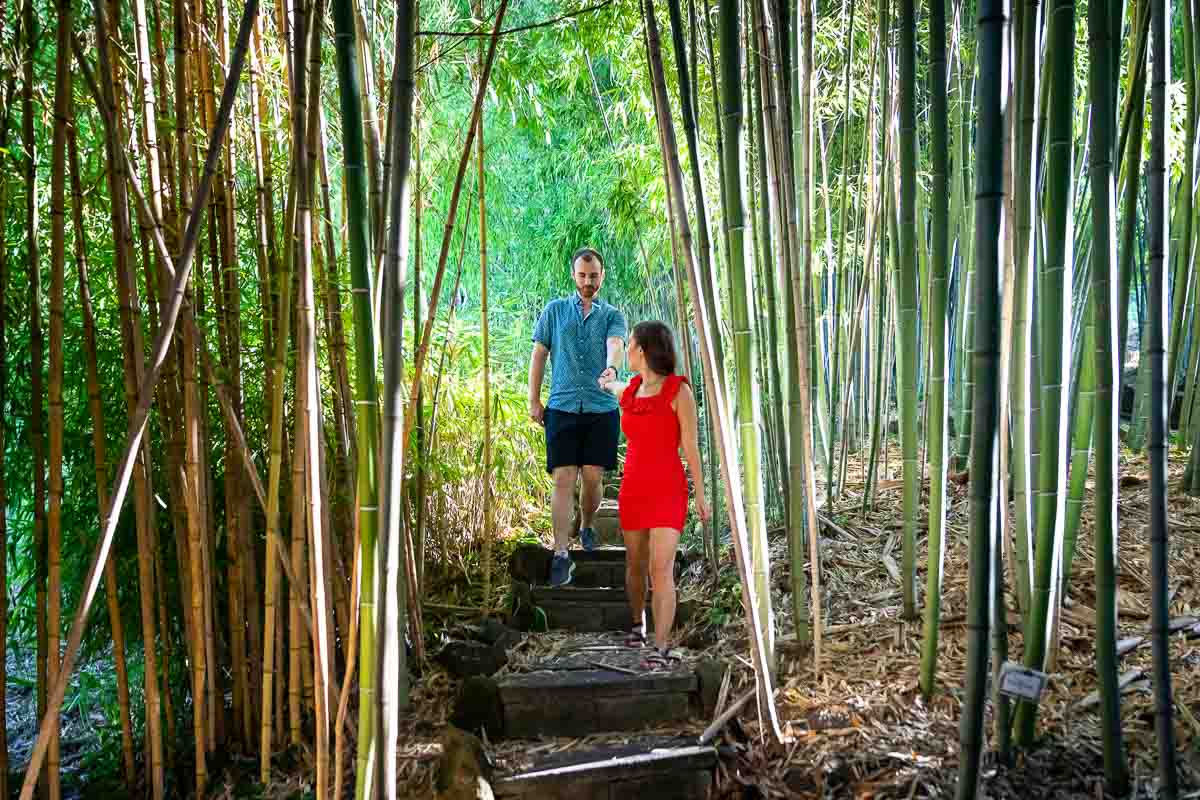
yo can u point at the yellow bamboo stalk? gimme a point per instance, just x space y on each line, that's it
192 481
58 229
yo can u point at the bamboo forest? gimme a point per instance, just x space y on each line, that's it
292 293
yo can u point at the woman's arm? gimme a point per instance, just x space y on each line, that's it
685 409
616 388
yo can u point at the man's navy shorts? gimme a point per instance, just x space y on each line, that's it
584 439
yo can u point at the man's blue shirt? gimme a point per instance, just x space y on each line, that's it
578 352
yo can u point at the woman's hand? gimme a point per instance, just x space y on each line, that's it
606 377
703 509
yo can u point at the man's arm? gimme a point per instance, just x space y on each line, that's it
615 356
537 371
614 340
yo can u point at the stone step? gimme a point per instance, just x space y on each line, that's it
646 767
584 609
608 509
592 684
594 609
583 702
604 566
608 530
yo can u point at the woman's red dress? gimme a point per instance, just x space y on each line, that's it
654 488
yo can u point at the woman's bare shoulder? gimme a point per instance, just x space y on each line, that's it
683 391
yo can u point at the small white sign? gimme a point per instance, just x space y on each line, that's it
1021 682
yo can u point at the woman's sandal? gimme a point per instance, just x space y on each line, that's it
636 637
661 659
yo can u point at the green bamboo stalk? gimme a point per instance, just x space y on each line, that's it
769 278
967 270
1102 89
366 398
1022 375
777 204
392 666
906 296
839 272
688 115
936 404
887 241
881 307
740 281
984 535
1131 163
1183 252
1163 706
1183 285
1081 441
1055 307
802 298
967 374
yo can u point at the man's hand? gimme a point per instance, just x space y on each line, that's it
537 411
607 376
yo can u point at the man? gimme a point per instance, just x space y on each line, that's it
583 423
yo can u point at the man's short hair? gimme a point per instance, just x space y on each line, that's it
587 254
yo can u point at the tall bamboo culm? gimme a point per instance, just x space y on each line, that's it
906 298
58 253
1102 89
489 501
1160 27
740 271
936 401
36 348
985 349
1053 311
365 394
393 667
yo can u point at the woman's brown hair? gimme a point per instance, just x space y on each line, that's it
657 344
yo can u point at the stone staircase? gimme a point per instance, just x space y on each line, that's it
594 685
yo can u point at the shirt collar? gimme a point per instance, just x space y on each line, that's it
578 300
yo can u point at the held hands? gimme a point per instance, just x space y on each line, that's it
606 377
703 509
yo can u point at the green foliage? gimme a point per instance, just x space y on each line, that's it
452 468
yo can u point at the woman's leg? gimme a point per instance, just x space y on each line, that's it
637 564
663 542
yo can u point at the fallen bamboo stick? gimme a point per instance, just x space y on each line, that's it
723 718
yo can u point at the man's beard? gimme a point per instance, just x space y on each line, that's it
587 291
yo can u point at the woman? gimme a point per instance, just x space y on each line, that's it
658 416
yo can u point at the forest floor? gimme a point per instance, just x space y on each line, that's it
90 740
858 726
